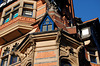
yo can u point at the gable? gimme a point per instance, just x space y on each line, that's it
46 24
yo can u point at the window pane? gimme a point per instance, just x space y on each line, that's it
44 27
6 19
4 62
93 59
28 5
50 27
15 14
47 22
92 52
13 59
47 19
27 13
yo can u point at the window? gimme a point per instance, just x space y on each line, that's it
85 32
27 13
13 59
93 56
47 24
4 62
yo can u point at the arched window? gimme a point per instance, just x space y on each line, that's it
6 51
14 47
47 24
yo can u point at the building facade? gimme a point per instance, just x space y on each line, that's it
46 33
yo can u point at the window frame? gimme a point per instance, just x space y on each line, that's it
96 55
93 55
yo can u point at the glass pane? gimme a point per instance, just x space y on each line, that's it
47 22
47 19
27 13
13 59
92 52
4 62
7 19
44 27
15 14
28 5
93 59
50 27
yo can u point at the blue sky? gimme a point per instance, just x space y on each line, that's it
87 9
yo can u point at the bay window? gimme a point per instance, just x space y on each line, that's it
26 9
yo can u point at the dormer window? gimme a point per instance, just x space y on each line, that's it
47 24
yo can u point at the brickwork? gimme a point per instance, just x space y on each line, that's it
47 64
45 54
22 19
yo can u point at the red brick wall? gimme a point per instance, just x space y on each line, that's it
45 55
